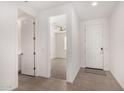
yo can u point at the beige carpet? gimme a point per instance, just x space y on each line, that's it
58 68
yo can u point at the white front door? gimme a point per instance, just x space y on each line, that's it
94 46
27 45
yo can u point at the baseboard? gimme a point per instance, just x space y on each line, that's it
117 80
59 58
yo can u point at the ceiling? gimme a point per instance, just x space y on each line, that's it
59 20
23 16
84 9
42 5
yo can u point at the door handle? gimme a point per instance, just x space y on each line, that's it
101 49
21 54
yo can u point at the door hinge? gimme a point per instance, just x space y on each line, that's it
34 53
34 68
34 38
34 23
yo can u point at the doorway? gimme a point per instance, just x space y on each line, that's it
58 46
26 44
94 46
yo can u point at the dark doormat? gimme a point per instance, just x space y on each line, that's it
95 71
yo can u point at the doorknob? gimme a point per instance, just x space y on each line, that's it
21 53
101 49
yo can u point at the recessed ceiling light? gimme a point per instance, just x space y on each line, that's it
94 4
26 1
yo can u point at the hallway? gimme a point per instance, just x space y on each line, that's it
56 40
84 81
59 68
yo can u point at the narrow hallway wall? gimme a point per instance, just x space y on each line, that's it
117 43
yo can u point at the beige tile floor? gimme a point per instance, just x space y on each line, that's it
83 82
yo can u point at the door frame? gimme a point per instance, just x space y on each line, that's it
34 39
49 58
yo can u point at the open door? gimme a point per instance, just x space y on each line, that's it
28 47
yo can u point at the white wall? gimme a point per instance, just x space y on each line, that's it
19 21
74 64
19 44
103 21
9 46
117 44
52 42
43 42
8 56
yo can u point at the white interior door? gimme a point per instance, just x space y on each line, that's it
27 45
94 47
